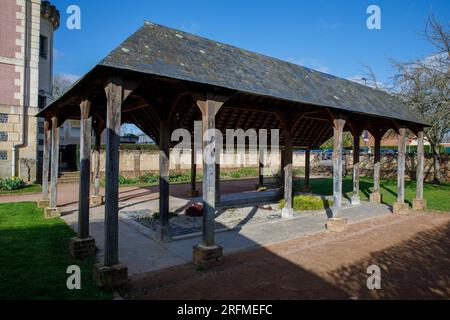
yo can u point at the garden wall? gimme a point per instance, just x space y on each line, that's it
137 163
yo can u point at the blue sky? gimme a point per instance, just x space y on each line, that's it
329 36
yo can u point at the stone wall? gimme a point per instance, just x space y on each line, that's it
136 163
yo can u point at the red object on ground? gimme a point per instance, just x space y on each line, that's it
196 210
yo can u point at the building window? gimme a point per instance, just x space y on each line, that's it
3 118
3 155
3 136
43 47
42 102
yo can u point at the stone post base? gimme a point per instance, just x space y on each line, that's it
336 224
287 213
193 194
306 189
205 256
82 248
50 213
110 277
419 204
42 204
355 201
400 208
97 200
376 197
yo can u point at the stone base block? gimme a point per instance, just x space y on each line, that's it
306 189
376 197
110 277
336 224
205 256
287 213
97 200
355 201
82 248
193 194
400 208
50 213
42 204
419 204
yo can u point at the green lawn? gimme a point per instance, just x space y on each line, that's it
35 255
437 196
31 188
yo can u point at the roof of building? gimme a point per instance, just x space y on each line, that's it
162 51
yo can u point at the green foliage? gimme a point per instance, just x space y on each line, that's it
149 178
10 184
35 256
240 173
308 203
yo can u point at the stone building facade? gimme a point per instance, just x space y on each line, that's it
26 69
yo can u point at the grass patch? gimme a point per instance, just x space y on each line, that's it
35 256
308 203
31 188
437 196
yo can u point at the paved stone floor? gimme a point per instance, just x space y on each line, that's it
142 254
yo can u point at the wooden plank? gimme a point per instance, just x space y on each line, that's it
96 156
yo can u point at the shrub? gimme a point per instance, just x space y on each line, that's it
308 203
10 184
125 181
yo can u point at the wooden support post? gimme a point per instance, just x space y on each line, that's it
97 199
337 223
307 186
288 211
193 193
85 170
376 197
52 210
84 245
164 145
208 251
114 98
44 203
419 202
218 196
401 207
337 164
356 169
261 168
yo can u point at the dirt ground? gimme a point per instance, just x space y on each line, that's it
413 252
68 193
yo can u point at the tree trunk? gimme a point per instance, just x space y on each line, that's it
436 163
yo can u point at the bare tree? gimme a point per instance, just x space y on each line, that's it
60 84
424 85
